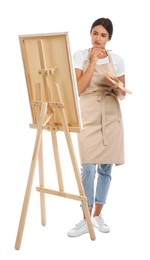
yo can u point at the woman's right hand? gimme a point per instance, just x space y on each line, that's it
95 54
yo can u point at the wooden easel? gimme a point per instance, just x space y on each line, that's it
45 112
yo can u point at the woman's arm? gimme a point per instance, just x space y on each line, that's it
83 79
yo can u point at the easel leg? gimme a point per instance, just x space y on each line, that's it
80 186
41 180
57 161
41 165
75 167
30 178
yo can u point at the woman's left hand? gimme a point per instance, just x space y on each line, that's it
116 85
113 81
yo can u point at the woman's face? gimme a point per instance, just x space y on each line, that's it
99 37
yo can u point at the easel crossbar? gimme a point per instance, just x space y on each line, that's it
61 194
49 104
56 128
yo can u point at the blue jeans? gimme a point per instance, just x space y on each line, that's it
88 173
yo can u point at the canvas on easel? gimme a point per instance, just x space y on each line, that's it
53 99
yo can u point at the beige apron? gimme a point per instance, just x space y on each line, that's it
102 139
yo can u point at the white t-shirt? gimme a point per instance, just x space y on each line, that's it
80 56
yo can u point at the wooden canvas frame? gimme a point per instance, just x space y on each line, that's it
54 107
55 66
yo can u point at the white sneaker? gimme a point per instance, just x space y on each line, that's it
99 223
79 229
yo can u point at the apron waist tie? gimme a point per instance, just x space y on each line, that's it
101 98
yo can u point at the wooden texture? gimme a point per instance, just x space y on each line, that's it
47 60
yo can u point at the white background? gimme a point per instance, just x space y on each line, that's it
127 211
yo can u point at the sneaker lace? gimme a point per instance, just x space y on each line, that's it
80 224
101 221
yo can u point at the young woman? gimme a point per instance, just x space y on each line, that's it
101 143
